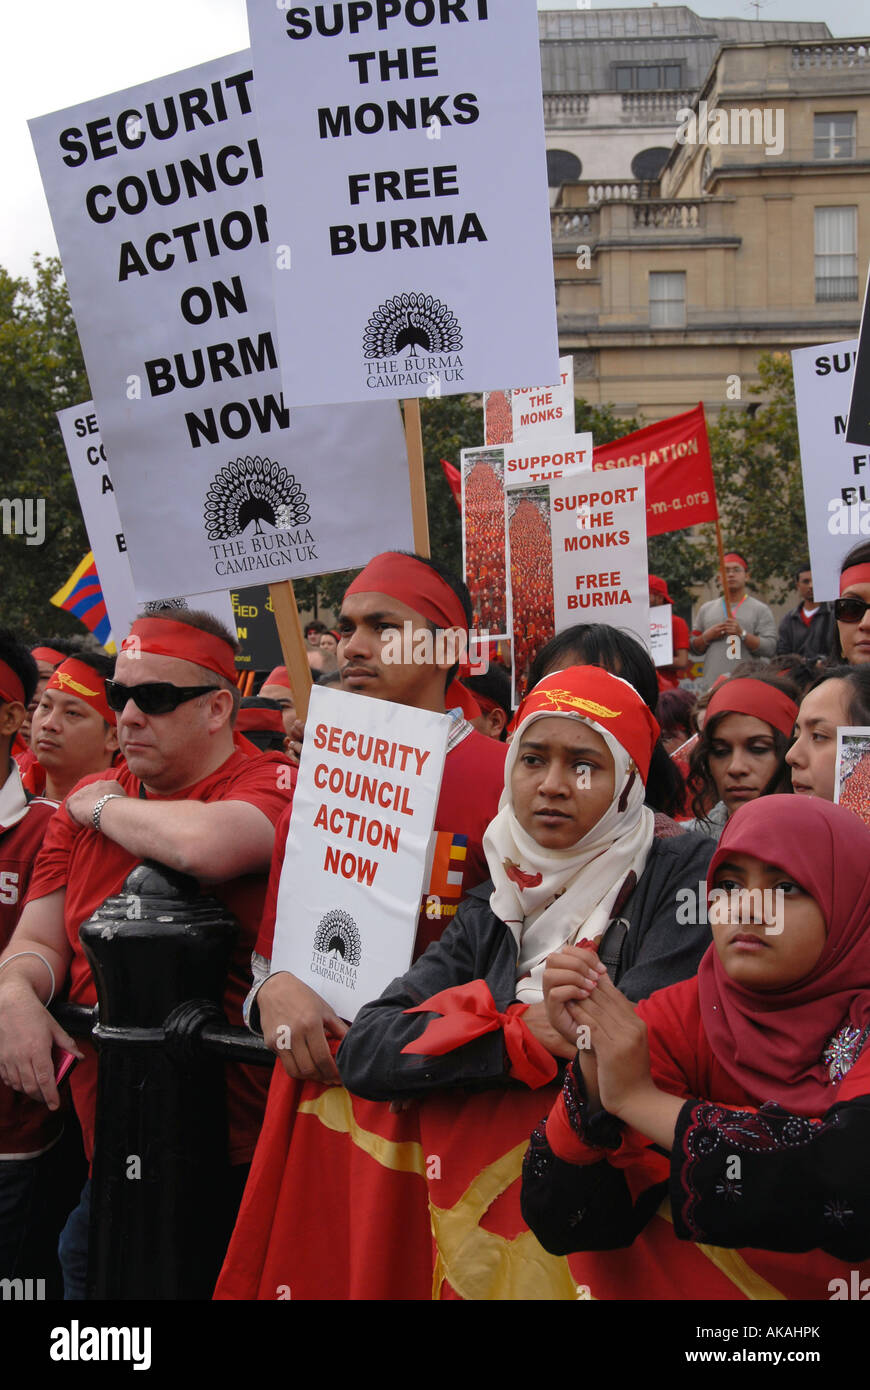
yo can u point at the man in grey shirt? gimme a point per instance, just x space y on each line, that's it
723 641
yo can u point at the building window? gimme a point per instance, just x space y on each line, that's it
649 163
836 254
647 77
834 135
562 167
667 299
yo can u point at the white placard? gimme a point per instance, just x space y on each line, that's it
404 148
836 474
661 639
157 198
542 412
90 469
547 456
354 868
600 572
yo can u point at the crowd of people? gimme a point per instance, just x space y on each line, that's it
484 546
644 919
531 564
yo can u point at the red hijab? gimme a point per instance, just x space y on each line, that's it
772 1044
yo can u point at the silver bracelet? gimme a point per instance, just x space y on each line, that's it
98 809
19 954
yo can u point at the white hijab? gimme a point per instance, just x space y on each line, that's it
572 891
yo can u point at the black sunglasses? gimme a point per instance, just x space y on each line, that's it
153 697
850 609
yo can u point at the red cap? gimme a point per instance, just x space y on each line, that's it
278 677
658 586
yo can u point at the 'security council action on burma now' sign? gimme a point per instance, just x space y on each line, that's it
158 202
407 188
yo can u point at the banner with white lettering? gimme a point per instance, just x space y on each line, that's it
399 132
358 848
530 412
836 474
90 469
156 195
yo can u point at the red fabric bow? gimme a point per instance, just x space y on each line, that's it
469 1011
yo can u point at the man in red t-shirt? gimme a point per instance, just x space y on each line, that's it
395 594
184 797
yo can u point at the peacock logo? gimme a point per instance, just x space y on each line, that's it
337 948
164 605
253 490
415 322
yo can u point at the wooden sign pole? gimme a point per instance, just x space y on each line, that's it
292 640
416 474
721 549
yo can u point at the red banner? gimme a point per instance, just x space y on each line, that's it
680 491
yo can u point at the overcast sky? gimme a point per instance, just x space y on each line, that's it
62 54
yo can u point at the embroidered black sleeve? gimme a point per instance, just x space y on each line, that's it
600 1129
772 1180
571 1207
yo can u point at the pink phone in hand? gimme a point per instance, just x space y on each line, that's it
64 1061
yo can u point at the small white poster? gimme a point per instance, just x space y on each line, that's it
158 202
545 411
354 868
90 469
661 640
836 474
547 456
600 571
852 775
404 153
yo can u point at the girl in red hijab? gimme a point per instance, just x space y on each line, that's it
754 1078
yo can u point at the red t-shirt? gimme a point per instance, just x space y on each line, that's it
26 1127
471 786
92 868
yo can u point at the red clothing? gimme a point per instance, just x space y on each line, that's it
658 1265
472 783
91 868
26 1127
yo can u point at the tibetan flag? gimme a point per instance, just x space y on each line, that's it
454 481
82 596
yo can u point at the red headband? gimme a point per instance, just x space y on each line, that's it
659 586
10 685
589 692
74 677
486 704
855 574
278 677
748 696
403 578
732 558
47 654
260 720
166 637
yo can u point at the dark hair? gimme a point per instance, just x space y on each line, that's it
674 712
268 740
700 780
18 658
101 662
314 626
799 570
858 680
69 646
495 684
795 668
858 555
599 644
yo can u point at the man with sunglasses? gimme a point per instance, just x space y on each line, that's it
852 609
186 797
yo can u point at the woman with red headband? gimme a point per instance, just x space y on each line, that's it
753 1078
741 752
572 854
852 608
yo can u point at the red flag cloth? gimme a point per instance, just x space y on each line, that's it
675 453
455 481
469 1011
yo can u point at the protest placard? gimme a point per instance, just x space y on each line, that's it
852 773
858 425
156 195
836 474
548 456
254 615
530 568
675 453
354 867
411 267
661 641
89 464
531 412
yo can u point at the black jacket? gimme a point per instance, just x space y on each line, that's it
810 642
656 951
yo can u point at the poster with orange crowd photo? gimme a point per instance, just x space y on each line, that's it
530 557
483 554
531 412
852 775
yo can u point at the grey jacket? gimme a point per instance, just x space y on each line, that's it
654 951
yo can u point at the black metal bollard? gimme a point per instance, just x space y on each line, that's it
159 953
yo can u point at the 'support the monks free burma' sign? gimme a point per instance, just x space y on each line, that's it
157 199
354 868
403 144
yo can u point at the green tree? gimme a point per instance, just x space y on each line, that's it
756 463
42 370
